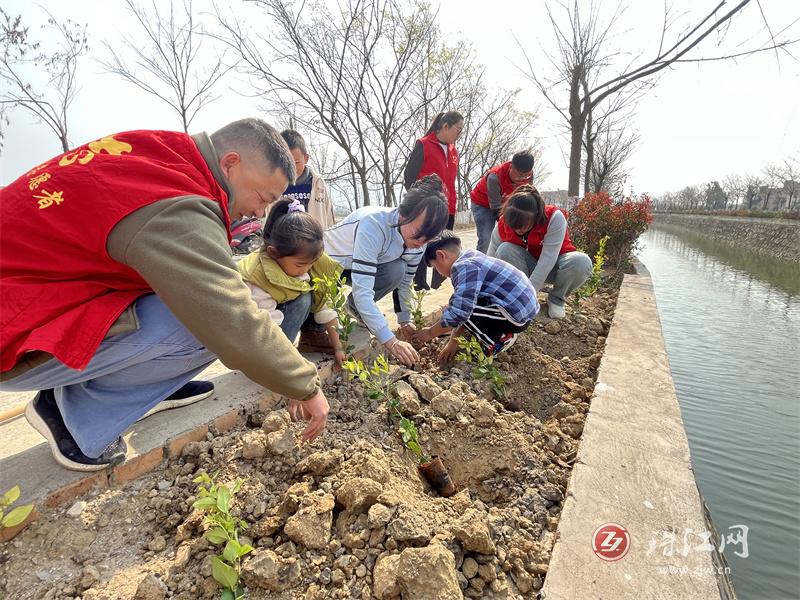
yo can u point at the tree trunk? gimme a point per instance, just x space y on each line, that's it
587 172
362 174
577 121
355 186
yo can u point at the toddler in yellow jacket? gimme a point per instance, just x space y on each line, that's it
280 275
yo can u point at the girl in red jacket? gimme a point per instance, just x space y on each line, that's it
435 152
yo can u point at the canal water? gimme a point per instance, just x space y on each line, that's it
731 322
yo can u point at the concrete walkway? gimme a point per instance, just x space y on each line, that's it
634 470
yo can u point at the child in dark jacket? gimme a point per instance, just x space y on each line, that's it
491 299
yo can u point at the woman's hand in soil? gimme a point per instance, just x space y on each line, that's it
404 352
406 331
423 336
449 351
315 410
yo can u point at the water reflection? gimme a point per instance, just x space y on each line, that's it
780 274
732 328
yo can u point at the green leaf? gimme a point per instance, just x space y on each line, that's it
227 595
204 503
17 516
202 478
225 574
10 496
223 498
231 551
246 549
217 535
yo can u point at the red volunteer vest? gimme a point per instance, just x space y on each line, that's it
446 167
480 193
60 292
535 235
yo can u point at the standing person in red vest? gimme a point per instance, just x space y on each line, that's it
533 237
134 290
493 188
435 152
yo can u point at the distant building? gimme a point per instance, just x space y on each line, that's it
559 198
776 199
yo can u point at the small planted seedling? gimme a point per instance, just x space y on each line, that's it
590 287
483 366
16 515
214 500
410 437
417 299
377 386
373 377
334 286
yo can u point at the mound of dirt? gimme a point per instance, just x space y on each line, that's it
349 515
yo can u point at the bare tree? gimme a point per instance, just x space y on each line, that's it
753 185
313 68
773 180
735 188
582 63
369 77
791 176
169 62
610 152
50 100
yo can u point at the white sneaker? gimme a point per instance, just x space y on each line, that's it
555 311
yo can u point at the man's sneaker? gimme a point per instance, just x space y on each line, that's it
315 341
555 311
192 392
43 415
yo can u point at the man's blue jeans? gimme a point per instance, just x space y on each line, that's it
128 375
484 223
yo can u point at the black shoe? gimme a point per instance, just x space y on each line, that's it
43 415
192 392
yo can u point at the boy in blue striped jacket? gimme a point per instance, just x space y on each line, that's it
491 299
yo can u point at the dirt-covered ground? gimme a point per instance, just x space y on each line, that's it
349 515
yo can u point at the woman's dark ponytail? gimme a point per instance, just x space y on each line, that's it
450 118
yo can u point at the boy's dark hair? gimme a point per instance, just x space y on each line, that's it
258 138
524 208
451 117
426 195
294 233
522 161
294 140
447 241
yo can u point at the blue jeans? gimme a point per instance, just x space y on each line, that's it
295 312
128 375
484 223
571 270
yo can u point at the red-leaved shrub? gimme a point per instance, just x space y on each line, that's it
598 215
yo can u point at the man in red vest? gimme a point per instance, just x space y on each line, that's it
493 188
534 237
133 291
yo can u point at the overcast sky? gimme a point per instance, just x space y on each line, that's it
700 123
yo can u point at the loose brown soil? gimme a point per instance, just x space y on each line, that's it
349 516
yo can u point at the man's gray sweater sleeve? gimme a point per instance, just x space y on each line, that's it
494 191
551 245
